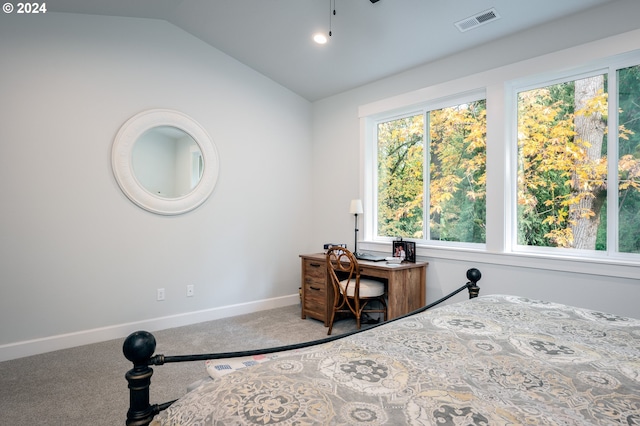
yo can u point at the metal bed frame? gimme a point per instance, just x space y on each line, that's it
139 347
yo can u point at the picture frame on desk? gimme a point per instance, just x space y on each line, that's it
410 250
405 249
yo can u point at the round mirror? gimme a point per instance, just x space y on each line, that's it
165 162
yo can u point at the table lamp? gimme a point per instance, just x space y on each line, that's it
356 209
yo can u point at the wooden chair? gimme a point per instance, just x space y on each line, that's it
351 293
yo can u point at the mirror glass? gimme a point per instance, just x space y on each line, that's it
167 162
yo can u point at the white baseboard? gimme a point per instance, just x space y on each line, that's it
120 331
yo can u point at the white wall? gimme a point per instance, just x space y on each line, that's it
596 33
78 260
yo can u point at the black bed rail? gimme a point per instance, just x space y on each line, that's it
139 347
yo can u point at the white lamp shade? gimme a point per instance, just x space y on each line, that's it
356 207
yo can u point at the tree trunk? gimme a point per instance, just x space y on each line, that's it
584 216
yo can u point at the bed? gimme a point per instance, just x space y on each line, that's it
493 359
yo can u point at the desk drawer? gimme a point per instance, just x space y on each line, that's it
315 295
313 288
367 271
315 300
315 270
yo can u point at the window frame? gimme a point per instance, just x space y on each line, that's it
423 108
607 66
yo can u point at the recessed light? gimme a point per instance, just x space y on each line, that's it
320 38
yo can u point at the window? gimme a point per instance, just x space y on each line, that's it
566 139
401 177
433 157
562 152
628 208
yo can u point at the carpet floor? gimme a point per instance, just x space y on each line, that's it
86 385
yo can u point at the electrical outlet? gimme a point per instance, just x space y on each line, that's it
190 290
160 294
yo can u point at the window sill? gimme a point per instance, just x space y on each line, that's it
590 266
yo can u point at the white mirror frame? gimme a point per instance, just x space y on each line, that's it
121 161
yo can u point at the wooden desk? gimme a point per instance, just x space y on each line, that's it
406 286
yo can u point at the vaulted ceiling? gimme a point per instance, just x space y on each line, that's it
369 40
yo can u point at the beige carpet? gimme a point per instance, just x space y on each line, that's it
86 385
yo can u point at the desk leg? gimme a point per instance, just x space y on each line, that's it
406 291
303 314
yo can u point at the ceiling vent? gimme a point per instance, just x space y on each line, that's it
477 20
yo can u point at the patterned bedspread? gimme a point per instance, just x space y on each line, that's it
494 360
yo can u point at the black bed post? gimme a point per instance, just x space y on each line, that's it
473 275
138 348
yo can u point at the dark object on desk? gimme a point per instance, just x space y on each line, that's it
370 257
410 249
406 250
329 245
